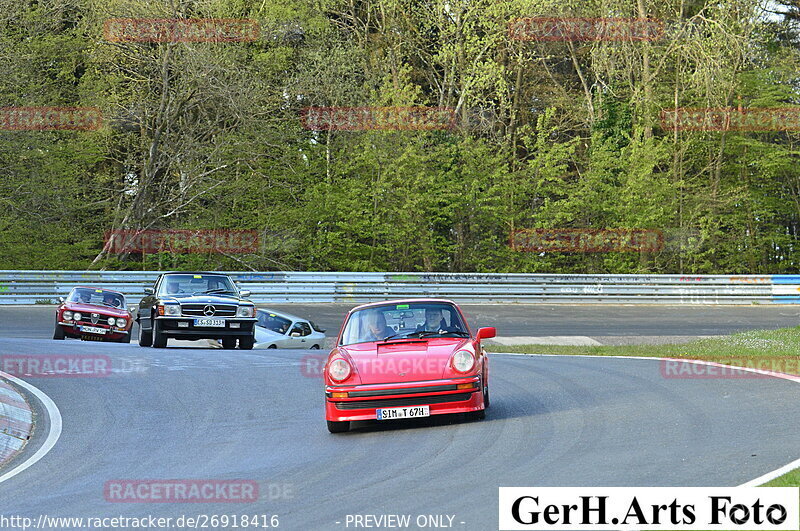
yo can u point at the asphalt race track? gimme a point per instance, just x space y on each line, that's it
182 413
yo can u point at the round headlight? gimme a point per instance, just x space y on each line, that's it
121 321
76 316
339 369
246 311
463 361
67 315
112 321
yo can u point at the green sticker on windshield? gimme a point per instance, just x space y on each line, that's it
198 276
98 291
402 307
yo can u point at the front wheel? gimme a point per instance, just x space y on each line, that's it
485 396
338 427
145 336
159 337
314 347
59 332
126 338
246 343
228 342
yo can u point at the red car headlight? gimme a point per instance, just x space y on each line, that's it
339 370
463 361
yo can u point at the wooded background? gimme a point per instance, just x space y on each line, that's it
549 134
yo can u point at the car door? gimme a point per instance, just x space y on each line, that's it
298 335
146 307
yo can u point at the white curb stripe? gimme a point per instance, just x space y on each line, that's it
53 434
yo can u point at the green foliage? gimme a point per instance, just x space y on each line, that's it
546 135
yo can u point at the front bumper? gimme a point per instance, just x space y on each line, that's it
442 396
72 328
184 327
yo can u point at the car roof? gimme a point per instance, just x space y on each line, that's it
402 301
282 314
103 289
195 273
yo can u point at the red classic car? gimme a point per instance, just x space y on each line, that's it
405 359
93 314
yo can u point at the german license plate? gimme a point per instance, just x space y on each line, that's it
210 322
410 412
93 330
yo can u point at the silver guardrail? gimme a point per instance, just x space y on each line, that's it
44 287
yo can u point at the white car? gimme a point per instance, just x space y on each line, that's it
282 330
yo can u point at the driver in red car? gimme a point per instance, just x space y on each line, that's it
377 330
109 299
435 323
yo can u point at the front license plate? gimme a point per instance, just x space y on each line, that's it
93 330
210 322
410 412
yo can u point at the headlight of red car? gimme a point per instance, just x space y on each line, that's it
66 316
463 361
339 370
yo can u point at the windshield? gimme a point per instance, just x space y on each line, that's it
273 322
416 319
196 285
100 297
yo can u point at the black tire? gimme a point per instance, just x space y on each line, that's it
228 343
486 396
58 333
126 338
338 427
314 347
159 337
478 415
145 336
246 343
273 346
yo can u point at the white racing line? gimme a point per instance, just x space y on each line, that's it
52 435
760 480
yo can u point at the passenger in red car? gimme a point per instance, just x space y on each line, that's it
377 328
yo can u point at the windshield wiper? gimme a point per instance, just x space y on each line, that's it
216 290
430 333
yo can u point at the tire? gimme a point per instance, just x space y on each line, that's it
58 333
126 338
273 346
478 415
228 343
338 427
314 347
246 343
145 336
485 396
159 338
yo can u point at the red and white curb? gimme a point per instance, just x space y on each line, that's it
16 423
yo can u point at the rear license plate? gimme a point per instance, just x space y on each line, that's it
93 330
210 322
410 412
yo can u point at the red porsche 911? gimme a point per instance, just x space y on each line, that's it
405 359
93 314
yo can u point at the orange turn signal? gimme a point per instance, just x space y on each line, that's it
466 386
339 395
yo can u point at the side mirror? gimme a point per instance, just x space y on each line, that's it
61 300
149 291
295 334
244 293
486 333
132 309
